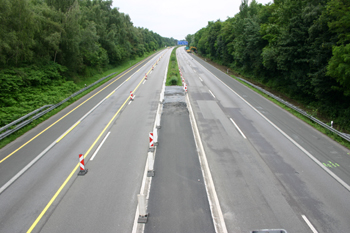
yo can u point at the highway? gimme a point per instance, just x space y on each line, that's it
258 155
49 196
231 162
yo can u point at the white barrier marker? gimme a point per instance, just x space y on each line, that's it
150 160
155 136
158 120
143 216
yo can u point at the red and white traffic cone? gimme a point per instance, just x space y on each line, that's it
131 96
185 87
82 171
152 67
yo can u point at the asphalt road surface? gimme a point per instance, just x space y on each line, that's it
177 199
269 169
263 178
50 197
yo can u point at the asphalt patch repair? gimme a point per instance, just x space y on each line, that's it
178 200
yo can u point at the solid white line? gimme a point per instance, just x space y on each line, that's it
98 148
313 229
23 170
212 93
215 208
146 181
289 138
13 179
238 128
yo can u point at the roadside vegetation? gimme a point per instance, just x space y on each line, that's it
296 49
79 85
323 130
49 49
173 76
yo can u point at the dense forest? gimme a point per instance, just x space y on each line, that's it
300 48
47 45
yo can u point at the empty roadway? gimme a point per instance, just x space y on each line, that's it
119 171
262 178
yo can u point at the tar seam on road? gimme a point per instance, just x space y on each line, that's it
76 167
345 185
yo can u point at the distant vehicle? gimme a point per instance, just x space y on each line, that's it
194 49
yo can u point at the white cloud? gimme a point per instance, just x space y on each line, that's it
178 18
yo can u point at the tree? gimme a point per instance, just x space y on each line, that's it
339 64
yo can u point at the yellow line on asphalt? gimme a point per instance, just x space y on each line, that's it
76 167
61 118
110 94
68 132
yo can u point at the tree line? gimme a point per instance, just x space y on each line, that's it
298 47
46 45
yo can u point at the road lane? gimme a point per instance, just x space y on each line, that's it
22 157
328 152
177 199
264 181
23 201
116 172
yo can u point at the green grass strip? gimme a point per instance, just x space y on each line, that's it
173 77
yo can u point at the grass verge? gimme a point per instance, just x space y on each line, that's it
173 76
124 66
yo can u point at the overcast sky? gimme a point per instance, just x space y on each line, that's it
178 18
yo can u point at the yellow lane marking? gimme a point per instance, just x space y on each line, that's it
76 167
8 156
73 171
110 94
52 199
67 132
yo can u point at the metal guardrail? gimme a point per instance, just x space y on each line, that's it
26 122
24 117
340 134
